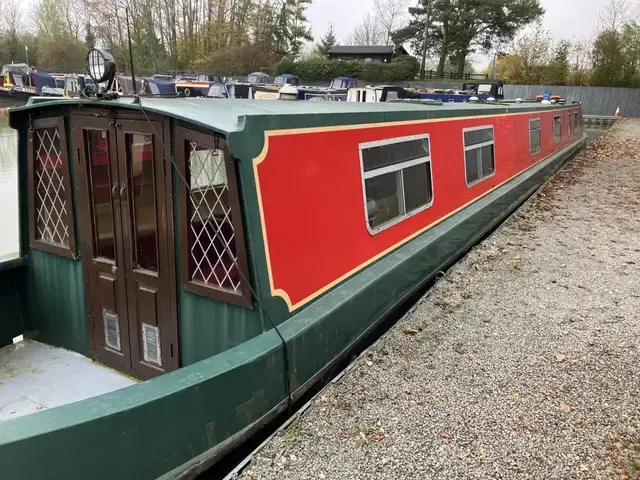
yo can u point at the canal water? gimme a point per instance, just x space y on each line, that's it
9 182
8 185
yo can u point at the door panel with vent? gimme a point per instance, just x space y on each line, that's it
144 219
124 214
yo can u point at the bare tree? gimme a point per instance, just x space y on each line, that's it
10 16
614 14
391 15
367 32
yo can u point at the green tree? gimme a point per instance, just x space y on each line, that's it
608 60
557 72
327 42
630 41
461 27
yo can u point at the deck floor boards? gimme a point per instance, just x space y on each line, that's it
35 377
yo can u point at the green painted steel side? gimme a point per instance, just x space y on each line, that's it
11 321
58 316
208 327
173 422
143 431
52 290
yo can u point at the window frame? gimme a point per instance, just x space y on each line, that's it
531 152
476 146
394 168
559 139
243 296
34 242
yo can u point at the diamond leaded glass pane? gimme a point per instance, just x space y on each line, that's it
212 247
51 207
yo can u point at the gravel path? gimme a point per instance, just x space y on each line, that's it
523 362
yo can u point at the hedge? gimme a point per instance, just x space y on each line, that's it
401 68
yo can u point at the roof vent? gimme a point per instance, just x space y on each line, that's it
518 100
151 344
474 99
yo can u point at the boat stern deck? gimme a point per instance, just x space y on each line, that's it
35 377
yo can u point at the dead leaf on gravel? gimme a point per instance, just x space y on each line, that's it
412 330
379 436
564 407
560 357
446 436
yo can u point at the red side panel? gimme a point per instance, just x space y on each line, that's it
312 206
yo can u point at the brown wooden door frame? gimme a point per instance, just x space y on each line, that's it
101 270
130 280
148 292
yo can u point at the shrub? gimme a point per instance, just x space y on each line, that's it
401 68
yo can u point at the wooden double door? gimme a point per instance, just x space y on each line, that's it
127 242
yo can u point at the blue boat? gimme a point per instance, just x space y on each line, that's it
158 87
287 79
483 90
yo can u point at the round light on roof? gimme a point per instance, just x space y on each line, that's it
518 100
100 65
491 99
474 99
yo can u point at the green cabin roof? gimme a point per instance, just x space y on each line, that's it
230 116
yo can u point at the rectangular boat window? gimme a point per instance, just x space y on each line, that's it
214 260
572 125
139 151
579 122
396 178
51 208
535 137
479 154
557 129
101 203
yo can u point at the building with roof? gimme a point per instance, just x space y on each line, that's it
367 53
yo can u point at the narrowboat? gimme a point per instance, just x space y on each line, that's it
75 84
483 90
35 84
258 78
380 93
158 87
7 74
337 90
199 86
287 79
223 256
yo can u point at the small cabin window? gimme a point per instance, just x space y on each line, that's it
579 122
213 252
396 179
557 129
51 206
572 124
479 154
535 136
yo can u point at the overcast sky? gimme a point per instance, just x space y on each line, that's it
564 18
